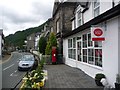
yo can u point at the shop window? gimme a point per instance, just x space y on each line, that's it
72 48
69 43
90 43
91 56
84 39
85 55
96 7
74 42
98 57
98 44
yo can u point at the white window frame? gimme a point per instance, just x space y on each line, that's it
71 48
58 26
96 7
87 48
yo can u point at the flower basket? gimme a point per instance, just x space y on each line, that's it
33 80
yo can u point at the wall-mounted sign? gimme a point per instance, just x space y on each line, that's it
97 34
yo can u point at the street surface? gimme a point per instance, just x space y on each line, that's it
10 74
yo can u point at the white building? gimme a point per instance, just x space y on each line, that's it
95 56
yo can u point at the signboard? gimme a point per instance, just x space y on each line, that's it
97 34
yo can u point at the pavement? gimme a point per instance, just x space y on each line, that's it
5 58
63 76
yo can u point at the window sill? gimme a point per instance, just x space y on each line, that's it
93 66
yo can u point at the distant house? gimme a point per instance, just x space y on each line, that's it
31 42
93 45
37 37
62 13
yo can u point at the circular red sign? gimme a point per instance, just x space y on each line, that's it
98 32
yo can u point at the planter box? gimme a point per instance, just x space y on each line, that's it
98 83
42 83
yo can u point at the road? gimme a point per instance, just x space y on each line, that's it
10 74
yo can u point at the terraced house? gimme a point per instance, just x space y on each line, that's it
93 44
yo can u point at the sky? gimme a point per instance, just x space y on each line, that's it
18 15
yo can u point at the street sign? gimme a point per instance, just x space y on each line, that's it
97 34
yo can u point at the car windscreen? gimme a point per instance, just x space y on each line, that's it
28 58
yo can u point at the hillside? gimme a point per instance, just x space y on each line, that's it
19 37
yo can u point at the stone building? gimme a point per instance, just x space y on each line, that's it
31 42
62 13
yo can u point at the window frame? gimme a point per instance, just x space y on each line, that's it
95 14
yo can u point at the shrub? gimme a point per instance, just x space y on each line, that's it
51 42
99 76
42 45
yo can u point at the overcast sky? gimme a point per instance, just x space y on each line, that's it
18 15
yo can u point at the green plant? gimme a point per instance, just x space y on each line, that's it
99 76
42 62
118 78
51 42
42 45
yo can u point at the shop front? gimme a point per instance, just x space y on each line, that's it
98 55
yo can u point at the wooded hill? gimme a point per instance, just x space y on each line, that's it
19 37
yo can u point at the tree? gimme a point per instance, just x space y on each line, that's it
51 42
42 45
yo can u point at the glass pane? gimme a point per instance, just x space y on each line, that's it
96 3
74 42
98 43
96 12
90 43
85 59
98 57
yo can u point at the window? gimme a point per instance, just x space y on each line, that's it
97 44
96 6
84 39
91 56
98 57
58 26
85 55
90 43
91 51
79 18
69 43
72 48
74 42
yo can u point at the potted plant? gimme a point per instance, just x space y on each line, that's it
117 83
98 78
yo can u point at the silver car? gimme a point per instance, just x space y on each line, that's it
26 62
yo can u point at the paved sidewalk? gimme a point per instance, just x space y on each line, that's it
63 76
5 58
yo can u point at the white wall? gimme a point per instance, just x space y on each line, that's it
110 51
118 46
104 6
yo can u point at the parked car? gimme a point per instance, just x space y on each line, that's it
26 62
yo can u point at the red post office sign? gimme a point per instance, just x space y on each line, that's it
97 34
